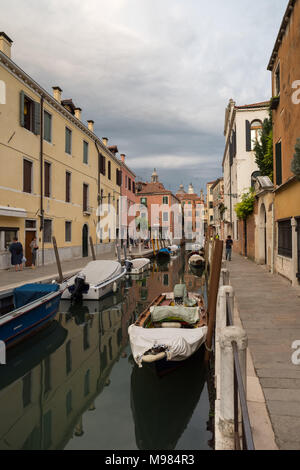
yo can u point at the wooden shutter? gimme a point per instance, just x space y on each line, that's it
109 170
27 176
133 187
102 165
248 136
47 169
278 164
22 96
68 187
36 118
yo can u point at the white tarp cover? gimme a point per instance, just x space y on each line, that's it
180 343
187 314
139 263
97 272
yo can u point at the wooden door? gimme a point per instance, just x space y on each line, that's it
29 236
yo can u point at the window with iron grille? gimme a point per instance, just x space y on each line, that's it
68 231
285 238
85 152
68 142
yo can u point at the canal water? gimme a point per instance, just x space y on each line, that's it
75 384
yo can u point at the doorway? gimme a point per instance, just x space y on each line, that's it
29 236
85 241
263 235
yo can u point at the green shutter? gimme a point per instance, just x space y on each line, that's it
22 108
37 118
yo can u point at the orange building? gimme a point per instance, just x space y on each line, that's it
163 209
285 67
191 202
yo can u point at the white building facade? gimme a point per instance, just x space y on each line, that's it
242 127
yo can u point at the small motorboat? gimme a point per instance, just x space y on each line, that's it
96 280
172 328
137 266
34 306
197 261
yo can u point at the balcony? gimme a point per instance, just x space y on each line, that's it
87 210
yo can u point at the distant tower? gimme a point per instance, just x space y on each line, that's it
154 177
201 195
181 189
191 189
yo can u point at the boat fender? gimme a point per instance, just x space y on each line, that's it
171 325
115 287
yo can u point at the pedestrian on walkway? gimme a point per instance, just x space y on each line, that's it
16 250
229 244
34 249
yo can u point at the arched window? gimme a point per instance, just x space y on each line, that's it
256 129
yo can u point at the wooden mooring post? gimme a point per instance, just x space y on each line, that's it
60 274
213 288
92 249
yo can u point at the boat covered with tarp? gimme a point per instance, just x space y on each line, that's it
172 328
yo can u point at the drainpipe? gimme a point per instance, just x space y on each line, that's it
98 179
41 177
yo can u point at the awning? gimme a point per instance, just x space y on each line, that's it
12 211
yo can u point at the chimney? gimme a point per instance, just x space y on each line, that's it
77 112
5 44
57 91
91 125
122 157
105 141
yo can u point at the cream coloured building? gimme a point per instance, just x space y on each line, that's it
54 169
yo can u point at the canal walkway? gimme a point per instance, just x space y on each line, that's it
9 279
269 309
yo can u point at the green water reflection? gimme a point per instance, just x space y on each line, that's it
75 384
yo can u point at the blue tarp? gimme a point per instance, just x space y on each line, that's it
29 292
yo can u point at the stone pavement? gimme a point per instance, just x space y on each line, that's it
269 309
10 279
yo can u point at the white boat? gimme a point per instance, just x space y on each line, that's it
172 328
96 280
197 261
137 266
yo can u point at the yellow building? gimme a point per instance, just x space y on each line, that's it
54 169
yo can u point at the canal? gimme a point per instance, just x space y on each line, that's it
75 384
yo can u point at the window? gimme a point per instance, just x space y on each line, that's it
68 231
211 205
285 238
165 200
256 129
68 143
47 127
68 186
126 181
29 114
144 201
165 217
9 234
129 184
47 173
118 177
27 176
102 164
278 161
133 187
166 280
85 197
85 152
277 80
211 218
47 429
47 230
109 170
86 343
47 376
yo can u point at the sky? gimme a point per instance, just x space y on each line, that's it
154 75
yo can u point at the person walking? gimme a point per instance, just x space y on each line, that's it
34 248
229 244
16 250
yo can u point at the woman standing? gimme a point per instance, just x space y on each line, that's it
16 250
34 248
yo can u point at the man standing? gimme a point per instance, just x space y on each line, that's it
16 250
229 244
34 248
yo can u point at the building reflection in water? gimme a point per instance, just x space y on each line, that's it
51 380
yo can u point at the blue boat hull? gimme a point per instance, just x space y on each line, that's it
29 322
